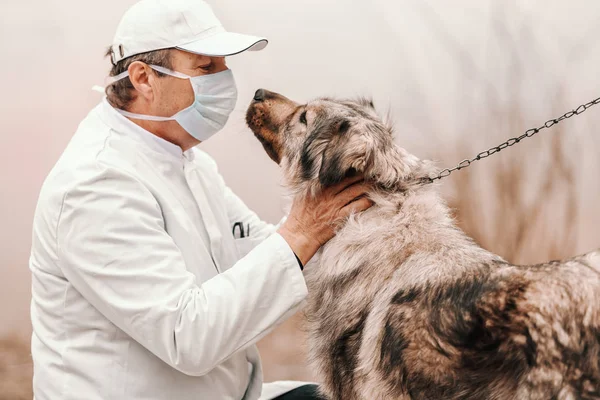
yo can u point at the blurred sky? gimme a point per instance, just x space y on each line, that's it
434 64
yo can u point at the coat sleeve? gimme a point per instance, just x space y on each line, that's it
113 249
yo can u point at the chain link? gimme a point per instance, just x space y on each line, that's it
512 141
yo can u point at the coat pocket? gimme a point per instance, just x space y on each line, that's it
244 246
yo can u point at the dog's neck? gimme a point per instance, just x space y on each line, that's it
402 225
415 207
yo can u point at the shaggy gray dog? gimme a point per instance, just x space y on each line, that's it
402 304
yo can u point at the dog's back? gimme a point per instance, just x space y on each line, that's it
562 317
436 317
491 331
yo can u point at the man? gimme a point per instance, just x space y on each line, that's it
139 288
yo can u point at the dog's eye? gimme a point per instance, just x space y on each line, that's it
303 118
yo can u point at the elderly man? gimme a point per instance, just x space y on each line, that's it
140 289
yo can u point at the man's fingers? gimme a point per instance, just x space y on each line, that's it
356 206
345 184
352 192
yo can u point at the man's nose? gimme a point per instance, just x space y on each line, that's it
260 95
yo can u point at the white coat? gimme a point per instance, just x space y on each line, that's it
139 288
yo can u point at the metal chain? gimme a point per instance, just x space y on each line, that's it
512 141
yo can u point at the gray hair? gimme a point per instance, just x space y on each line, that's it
120 94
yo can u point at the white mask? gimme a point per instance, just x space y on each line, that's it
215 96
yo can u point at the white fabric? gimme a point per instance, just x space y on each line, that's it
139 289
215 96
274 389
189 25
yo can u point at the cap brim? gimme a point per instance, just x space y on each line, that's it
225 44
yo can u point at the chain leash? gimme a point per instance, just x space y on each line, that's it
512 141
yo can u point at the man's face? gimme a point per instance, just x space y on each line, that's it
174 94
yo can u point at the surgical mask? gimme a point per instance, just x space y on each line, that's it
215 96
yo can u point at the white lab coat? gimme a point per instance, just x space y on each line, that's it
139 288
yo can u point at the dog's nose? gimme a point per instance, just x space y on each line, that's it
259 95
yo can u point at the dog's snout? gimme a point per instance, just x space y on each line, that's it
260 95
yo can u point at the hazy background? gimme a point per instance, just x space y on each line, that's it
457 77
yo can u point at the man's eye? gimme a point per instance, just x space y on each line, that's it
303 118
206 67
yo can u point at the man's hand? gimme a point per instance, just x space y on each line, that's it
312 220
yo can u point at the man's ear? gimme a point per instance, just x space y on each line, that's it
142 78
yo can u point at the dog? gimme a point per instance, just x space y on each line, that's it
402 304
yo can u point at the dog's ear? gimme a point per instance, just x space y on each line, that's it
345 155
366 102
367 149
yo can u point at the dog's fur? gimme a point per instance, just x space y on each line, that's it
402 304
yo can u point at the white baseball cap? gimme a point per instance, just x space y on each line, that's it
188 25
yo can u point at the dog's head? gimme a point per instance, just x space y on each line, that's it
326 140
